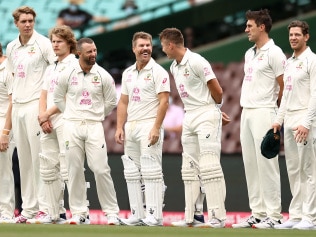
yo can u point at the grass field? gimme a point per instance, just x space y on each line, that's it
22 230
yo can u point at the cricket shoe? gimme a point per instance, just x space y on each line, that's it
6 220
78 220
113 220
247 223
266 223
151 221
215 223
131 221
286 225
20 219
305 225
40 218
198 221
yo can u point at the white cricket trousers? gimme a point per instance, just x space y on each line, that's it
27 133
7 198
85 139
301 169
262 174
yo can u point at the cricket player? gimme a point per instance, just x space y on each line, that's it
201 95
86 94
141 110
7 200
53 168
297 112
28 57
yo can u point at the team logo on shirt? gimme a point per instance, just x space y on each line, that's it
85 100
260 57
31 51
21 73
288 83
96 80
164 81
129 78
182 92
186 72
74 81
148 77
206 71
299 66
136 96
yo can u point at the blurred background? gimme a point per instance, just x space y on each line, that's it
213 28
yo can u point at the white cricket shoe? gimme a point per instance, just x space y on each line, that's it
151 221
266 223
78 220
40 218
305 225
198 221
6 220
215 223
286 225
247 223
132 221
113 220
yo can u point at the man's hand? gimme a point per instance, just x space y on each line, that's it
225 119
301 133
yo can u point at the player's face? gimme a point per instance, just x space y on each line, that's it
142 50
88 54
252 30
25 24
297 39
165 45
60 46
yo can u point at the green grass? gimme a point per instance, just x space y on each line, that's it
22 230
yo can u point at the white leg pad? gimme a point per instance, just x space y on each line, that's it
133 181
63 167
152 174
53 185
214 184
192 186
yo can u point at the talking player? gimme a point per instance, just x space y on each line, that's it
201 95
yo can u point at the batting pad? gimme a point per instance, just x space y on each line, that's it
53 185
191 186
133 181
214 184
63 167
152 174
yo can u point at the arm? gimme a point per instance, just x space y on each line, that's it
60 92
5 134
121 118
281 85
109 96
163 98
216 90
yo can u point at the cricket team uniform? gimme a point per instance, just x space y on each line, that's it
52 158
259 95
143 163
7 200
201 138
298 107
28 63
90 97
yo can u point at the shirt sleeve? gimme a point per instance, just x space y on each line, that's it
61 90
109 94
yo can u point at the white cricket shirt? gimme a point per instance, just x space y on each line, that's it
262 66
191 76
299 87
5 88
142 88
50 80
28 63
90 96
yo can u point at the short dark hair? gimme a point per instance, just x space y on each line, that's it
302 24
260 17
173 35
82 41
